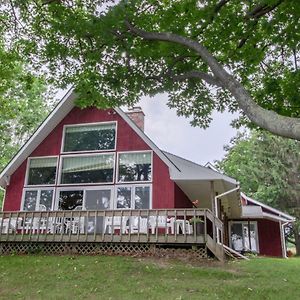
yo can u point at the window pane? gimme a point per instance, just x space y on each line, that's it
237 237
88 169
46 200
42 171
90 137
30 200
124 197
69 200
142 197
135 167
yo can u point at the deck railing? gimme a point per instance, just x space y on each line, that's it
140 226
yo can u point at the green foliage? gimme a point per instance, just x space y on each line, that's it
267 167
86 43
24 103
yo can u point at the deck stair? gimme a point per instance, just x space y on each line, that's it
233 254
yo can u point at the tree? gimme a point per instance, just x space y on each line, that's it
268 168
24 102
216 54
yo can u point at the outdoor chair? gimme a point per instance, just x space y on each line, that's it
117 222
138 225
162 222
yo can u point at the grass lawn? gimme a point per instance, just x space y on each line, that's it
104 277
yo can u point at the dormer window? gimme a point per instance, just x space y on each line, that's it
90 137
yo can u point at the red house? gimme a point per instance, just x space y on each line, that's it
92 177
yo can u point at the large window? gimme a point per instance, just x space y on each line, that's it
134 197
244 236
88 169
40 199
41 171
90 137
135 166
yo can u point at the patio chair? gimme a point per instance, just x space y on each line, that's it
9 226
116 222
75 224
138 225
183 226
162 222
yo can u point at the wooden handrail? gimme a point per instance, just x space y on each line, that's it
138 225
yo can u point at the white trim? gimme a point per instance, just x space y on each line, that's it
85 183
82 125
244 222
280 213
3 200
27 170
38 197
130 182
276 218
132 201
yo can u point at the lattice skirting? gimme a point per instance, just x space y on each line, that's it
101 248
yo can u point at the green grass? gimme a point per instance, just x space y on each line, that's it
104 277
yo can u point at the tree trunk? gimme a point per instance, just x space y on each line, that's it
297 240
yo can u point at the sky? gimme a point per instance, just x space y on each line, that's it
175 134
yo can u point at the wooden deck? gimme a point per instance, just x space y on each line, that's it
158 226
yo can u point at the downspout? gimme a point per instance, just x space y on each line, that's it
221 195
283 247
216 204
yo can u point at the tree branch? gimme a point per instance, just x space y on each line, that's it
291 241
261 10
188 75
269 120
198 75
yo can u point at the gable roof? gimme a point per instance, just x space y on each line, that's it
193 171
54 118
179 168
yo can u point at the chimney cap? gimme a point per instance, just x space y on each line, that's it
135 109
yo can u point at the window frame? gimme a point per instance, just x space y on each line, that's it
87 124
39 189
28 166
133 186
84 189
133 182
243 222
86 155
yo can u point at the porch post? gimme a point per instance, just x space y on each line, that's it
213 208
212 197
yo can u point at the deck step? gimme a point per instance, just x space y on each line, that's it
233 254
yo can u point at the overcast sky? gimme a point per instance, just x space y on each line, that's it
175 134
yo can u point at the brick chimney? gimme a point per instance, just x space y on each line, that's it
137 116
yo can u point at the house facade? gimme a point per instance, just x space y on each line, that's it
101 160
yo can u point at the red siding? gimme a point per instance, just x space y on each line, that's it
269 238
181 199
127 140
